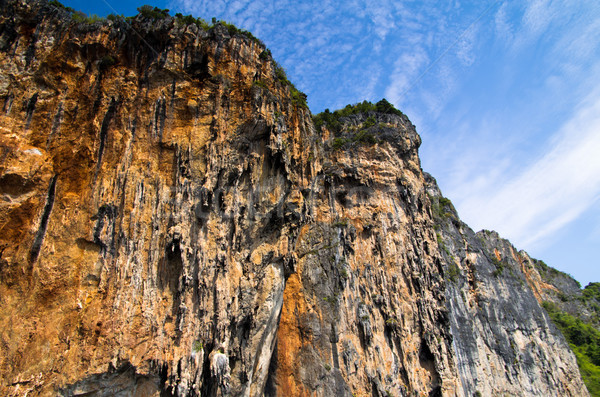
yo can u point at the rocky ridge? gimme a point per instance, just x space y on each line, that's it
172 223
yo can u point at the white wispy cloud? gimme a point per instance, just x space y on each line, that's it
349 49
502 25
524 200
406 69
465 47
538 16
319 43
381 17
449 45
552 191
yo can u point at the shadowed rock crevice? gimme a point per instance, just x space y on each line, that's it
29 109
121 381
104 131
160 114
58 118
170 272
43 226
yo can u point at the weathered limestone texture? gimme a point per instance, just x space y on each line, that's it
497 324
172 223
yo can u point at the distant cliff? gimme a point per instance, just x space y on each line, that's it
173 222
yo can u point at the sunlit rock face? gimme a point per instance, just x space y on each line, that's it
172 223
503 341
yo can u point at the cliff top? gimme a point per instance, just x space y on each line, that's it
152 26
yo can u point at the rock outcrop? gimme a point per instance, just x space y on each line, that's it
172 223
497 323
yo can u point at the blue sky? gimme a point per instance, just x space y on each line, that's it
505 94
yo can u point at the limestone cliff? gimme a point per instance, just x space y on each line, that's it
172 223
496 321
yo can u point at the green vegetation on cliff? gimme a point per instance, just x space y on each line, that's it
584 341
549 273
591 297
298 97
157 14
153 12
331 120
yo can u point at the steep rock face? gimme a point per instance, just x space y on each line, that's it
504 342
171 222
562 290
364 310
146 188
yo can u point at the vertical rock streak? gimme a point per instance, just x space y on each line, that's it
55 123
43 226
104 131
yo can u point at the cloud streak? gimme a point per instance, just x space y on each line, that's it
325 45
553 191
496 185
